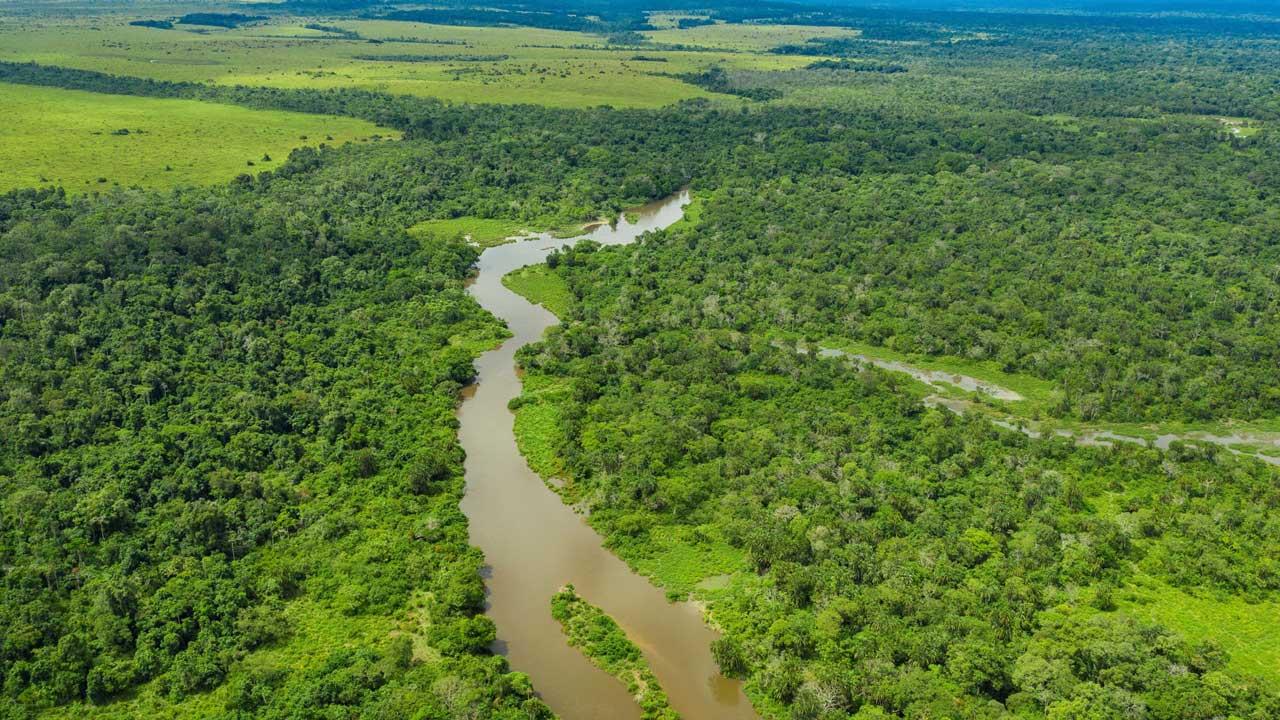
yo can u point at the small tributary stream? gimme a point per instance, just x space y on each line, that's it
534 543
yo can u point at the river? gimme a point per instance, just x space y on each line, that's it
534 543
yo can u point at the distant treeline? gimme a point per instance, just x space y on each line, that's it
435 58
424 41
158 24
904 24
686 23
852 46
854 66
225 20
334 30
717 80
919 24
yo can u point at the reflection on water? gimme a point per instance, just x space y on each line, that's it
534 543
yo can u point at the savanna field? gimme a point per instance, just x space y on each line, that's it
953 391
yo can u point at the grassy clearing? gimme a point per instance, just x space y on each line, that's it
1241 127
746 38
598 636
76 139
545 67
537 425
541 285
682 560
1249 632
485 232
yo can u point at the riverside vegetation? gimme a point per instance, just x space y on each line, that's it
600 638
230 476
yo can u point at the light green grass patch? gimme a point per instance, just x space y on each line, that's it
541 285
680 558
1249 632
76 139
693 211
1241 127
747 38
544 67
537 425
485 232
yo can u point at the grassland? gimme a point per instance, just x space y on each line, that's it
540 285
78 139
1037 394
1241 127
745 38
537 425
688 561
1248 632
485 232
546 67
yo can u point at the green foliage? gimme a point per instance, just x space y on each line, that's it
906 558
210 414
540 286
484 232
537 427
229 480
232 409
596 634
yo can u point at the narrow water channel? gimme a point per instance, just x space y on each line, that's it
534 543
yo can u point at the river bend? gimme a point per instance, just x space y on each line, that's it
534 543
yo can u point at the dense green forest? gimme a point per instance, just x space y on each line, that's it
229 410
219 405
228 404
906 560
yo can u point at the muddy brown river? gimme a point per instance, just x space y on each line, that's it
534 543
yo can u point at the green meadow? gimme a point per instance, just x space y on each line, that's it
464 64
1249 632
540 285
1037 394
485 232
745 38
537 425
88 141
